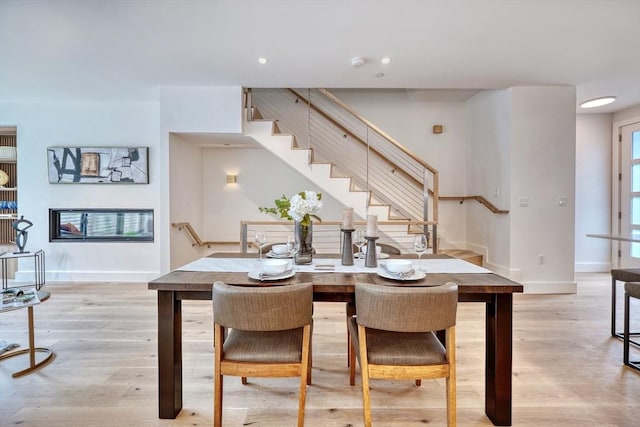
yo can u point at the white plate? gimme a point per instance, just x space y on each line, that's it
360 255
270 254
256 275
417 275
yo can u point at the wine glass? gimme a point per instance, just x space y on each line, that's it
261 239
420 246
360 241
293 246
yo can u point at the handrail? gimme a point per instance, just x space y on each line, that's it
357 138
378 130
479 199
195 238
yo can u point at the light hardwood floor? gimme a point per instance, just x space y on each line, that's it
567 370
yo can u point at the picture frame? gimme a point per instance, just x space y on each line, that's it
98 165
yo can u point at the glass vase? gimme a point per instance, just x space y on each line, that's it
304 235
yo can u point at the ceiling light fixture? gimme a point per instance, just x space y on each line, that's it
598 102
386 60
262 60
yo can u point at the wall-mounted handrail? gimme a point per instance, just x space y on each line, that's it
195 238
479 199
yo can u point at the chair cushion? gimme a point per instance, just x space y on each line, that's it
400 348
633 289
264 347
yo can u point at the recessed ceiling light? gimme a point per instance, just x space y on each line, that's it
262 60
598 102
386 60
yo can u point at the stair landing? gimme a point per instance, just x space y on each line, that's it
472 257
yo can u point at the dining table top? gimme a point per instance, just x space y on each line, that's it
329 281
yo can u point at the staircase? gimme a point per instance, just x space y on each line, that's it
345 155
283 146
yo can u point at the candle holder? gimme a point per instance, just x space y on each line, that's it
347 246
371 260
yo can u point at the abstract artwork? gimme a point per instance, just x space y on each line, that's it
98 165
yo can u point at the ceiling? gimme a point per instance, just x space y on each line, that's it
125 50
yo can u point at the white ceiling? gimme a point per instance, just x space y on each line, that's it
124 50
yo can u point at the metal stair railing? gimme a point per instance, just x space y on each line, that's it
355 148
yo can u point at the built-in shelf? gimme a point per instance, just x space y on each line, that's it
8 166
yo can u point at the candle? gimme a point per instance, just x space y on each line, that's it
347 219
372 225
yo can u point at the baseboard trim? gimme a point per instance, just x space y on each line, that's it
593 267
90 276
550 287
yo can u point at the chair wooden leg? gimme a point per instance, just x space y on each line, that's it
310 368
217 401
244 380
418 382
451 379
304 371
352 364
364 369
217 378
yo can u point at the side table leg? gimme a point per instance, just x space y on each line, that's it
31 351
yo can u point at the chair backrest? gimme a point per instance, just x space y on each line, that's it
273 308
406 309
385 248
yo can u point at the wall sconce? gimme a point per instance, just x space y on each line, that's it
437 128
232 179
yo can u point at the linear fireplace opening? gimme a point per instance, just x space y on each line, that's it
101 225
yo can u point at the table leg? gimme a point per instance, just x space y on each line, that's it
613 307
351 311
498 369
169 354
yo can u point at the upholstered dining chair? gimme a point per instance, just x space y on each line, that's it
393 337
631 290
262 332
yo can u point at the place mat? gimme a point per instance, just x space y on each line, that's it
329 265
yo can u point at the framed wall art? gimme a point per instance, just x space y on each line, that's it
98 165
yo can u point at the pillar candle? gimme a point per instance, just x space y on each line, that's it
372 226
347 219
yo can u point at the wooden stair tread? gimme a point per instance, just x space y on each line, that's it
469 256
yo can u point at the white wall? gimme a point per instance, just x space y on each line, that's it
262 178
593 191
521 145
488 127
40 125
543 138
186 198
188 110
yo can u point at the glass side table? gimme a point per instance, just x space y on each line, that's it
40 297
21 295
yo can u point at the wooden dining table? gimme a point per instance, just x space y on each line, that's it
495 291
